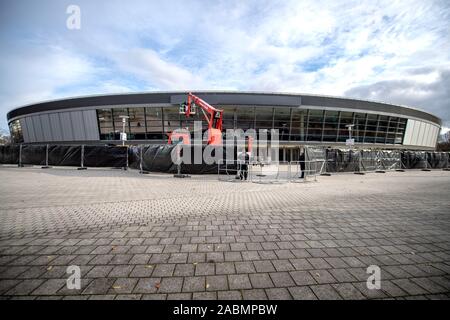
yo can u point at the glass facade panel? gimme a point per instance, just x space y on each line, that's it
315 125
15 130
331 126
294 124
118 124
106 124
299 124
359 127
282 122
245 117
154 123
172 120
137 123
371 128
229 115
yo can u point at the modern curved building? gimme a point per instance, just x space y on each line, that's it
300 118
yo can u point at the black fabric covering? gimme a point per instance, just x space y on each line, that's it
157 158
64 155
414 159
342 160
105 156
33 154
389 159
437 160
9 154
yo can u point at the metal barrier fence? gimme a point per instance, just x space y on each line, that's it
303 171
231 170
81 156
274 172
270 173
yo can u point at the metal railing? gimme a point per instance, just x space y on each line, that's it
305 170
269 172
231 170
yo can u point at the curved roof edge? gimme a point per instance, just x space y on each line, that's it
165 97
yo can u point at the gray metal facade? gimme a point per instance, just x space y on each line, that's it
76 120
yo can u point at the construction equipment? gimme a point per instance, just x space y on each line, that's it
213 117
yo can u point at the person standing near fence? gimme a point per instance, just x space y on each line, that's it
243 172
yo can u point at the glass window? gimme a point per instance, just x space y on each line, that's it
15 130
106 125
137 123
153 117
299 124
171 119
118 123
282 122
245 118
264 118
229 117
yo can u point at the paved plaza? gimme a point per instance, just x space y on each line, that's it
156 237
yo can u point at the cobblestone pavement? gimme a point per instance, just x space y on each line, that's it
156 237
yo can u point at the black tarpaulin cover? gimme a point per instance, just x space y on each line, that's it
157 158
65 155
9 154
414 159
105 156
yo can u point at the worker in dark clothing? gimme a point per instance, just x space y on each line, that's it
243 173
302 165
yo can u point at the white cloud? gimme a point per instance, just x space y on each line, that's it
147 65
341 47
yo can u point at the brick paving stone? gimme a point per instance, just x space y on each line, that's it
348 291
233 256
282 279
263 266
25 287
99 286
237 235
278 294
283 265
171 285
302 293
322 276
261 280
154 296
370 293
342 275
229 295
391 289
302 278
179 296
123 285
254 294
7 284
194 284
244 267
204 296
239 281
325 292
214 283
147 285
204 269
184 270
49 287
301 264
409 286
120 271
99 271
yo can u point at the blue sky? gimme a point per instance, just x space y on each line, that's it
393 51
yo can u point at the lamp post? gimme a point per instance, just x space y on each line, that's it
124 120
350 127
